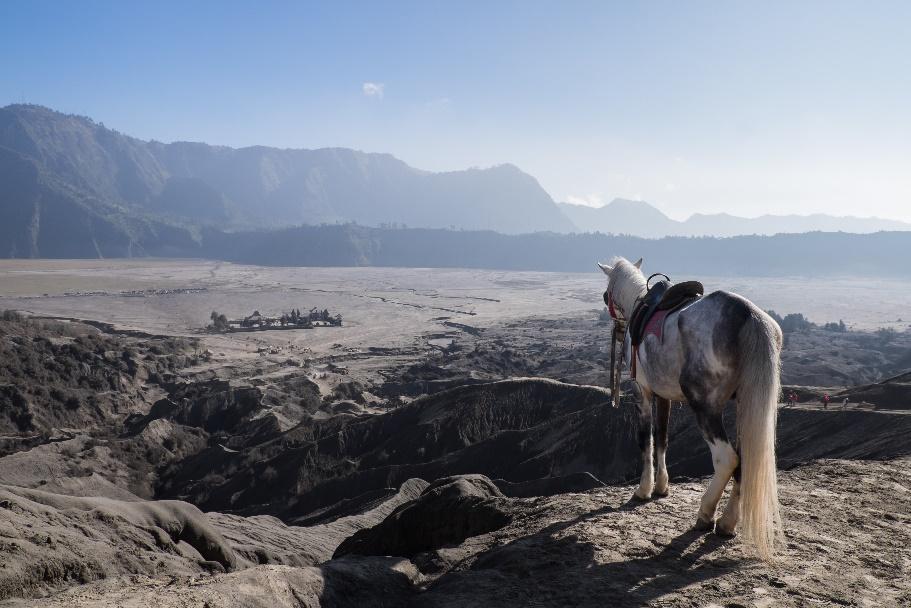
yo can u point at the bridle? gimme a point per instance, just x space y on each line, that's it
609 300
618 335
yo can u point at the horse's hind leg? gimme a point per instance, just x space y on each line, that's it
646 446
724 459
727 523
662 419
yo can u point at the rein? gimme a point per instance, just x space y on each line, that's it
618 334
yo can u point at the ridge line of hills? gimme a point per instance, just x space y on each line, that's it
882 254
81 164
71 188
639 218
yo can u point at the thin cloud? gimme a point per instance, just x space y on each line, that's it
591 200
373 89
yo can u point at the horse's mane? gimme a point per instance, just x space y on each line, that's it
629 282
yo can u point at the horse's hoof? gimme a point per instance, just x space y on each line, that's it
702 525
724 532
660 493
638 498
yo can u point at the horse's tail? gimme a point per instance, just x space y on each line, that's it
757 412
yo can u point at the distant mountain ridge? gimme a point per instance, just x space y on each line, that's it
638 218
117 192
831 254
70 187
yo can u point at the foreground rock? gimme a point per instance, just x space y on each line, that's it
447 512
264 539
380 582
52 541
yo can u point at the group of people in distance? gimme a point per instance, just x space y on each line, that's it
826 399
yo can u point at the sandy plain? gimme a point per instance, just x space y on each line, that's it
383 307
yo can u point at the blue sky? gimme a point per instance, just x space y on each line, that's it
747 108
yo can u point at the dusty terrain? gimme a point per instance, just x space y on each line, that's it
141 457
848 529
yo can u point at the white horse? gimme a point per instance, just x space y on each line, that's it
720 347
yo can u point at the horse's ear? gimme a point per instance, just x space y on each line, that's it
638 264
605 268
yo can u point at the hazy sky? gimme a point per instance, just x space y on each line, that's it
743 107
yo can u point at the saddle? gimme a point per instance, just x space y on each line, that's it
662 299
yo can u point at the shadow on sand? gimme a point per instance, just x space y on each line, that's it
549 569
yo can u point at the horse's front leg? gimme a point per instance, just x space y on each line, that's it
663 418
646 447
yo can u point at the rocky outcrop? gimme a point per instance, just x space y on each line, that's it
447 512
61 540
548 486
51 541
263 539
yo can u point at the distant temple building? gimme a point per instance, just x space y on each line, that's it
293 319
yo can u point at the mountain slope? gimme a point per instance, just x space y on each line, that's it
113 177
638 218
42 217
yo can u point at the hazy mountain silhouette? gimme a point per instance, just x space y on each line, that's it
638 218
620 216
881 254
73 188
106 180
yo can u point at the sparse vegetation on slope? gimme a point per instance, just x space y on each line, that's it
68 375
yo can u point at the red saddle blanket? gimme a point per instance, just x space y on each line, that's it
655 325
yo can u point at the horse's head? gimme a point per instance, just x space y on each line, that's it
625 283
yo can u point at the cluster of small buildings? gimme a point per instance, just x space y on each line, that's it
294 319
